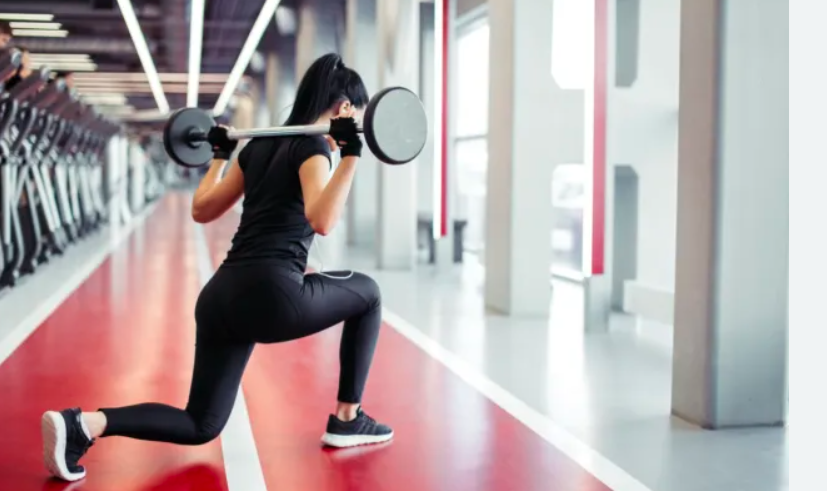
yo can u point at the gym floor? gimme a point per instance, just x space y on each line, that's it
474 409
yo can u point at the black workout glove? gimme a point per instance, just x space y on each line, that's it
222 145
344 133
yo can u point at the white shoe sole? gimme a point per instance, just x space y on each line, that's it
53 429
344 441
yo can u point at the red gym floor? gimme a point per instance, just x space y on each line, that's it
126 336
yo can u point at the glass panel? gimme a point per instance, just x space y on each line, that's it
572 46
472 82
567 199
472 171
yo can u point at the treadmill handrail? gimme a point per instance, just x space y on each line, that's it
30 85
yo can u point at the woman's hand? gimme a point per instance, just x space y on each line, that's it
222 145
344 134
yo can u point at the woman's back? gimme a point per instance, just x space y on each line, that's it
273 224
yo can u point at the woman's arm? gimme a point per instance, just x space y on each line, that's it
215 195
324 199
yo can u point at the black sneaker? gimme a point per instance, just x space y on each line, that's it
363 430
64 443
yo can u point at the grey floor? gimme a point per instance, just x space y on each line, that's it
611 390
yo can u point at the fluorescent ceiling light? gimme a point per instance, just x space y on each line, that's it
196 38
114 83
143 89
72 68
59 59
265 15
38 33
143 53
165 77
37 61
35 25
43 17
67 56
53 64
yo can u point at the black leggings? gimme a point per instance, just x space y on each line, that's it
261 303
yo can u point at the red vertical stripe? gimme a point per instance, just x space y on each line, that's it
446 35
601 46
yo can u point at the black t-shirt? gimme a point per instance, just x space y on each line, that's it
273 224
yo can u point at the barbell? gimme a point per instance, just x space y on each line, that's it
395 127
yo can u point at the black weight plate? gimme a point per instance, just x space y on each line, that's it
395 125
178 137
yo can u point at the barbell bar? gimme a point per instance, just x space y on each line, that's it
395 127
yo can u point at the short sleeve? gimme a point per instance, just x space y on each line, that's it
307 147
244 155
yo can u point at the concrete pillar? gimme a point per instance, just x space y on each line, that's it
316 33
730 342
361 54
398 29
244 115
272 88
520 164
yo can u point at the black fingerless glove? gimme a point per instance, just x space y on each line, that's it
222 145
344 133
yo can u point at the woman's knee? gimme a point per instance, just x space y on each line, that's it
205 435
206 431
369 290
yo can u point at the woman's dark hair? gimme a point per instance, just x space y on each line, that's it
327 82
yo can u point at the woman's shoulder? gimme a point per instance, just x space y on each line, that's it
306 146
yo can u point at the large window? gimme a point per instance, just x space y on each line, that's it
571 70
567 199
471 132
572 54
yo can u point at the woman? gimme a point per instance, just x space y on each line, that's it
260 293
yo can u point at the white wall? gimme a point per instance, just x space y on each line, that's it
643 132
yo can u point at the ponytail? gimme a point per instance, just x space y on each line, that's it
327 82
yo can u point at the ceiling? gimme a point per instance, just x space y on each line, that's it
97 28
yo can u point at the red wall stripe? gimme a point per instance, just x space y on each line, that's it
601 47
446 36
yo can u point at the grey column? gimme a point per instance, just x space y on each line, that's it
273 88
398 30
316 36
361 54
730 344
520 158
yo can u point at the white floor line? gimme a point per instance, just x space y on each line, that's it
44 309
590 459
241 461
599 466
